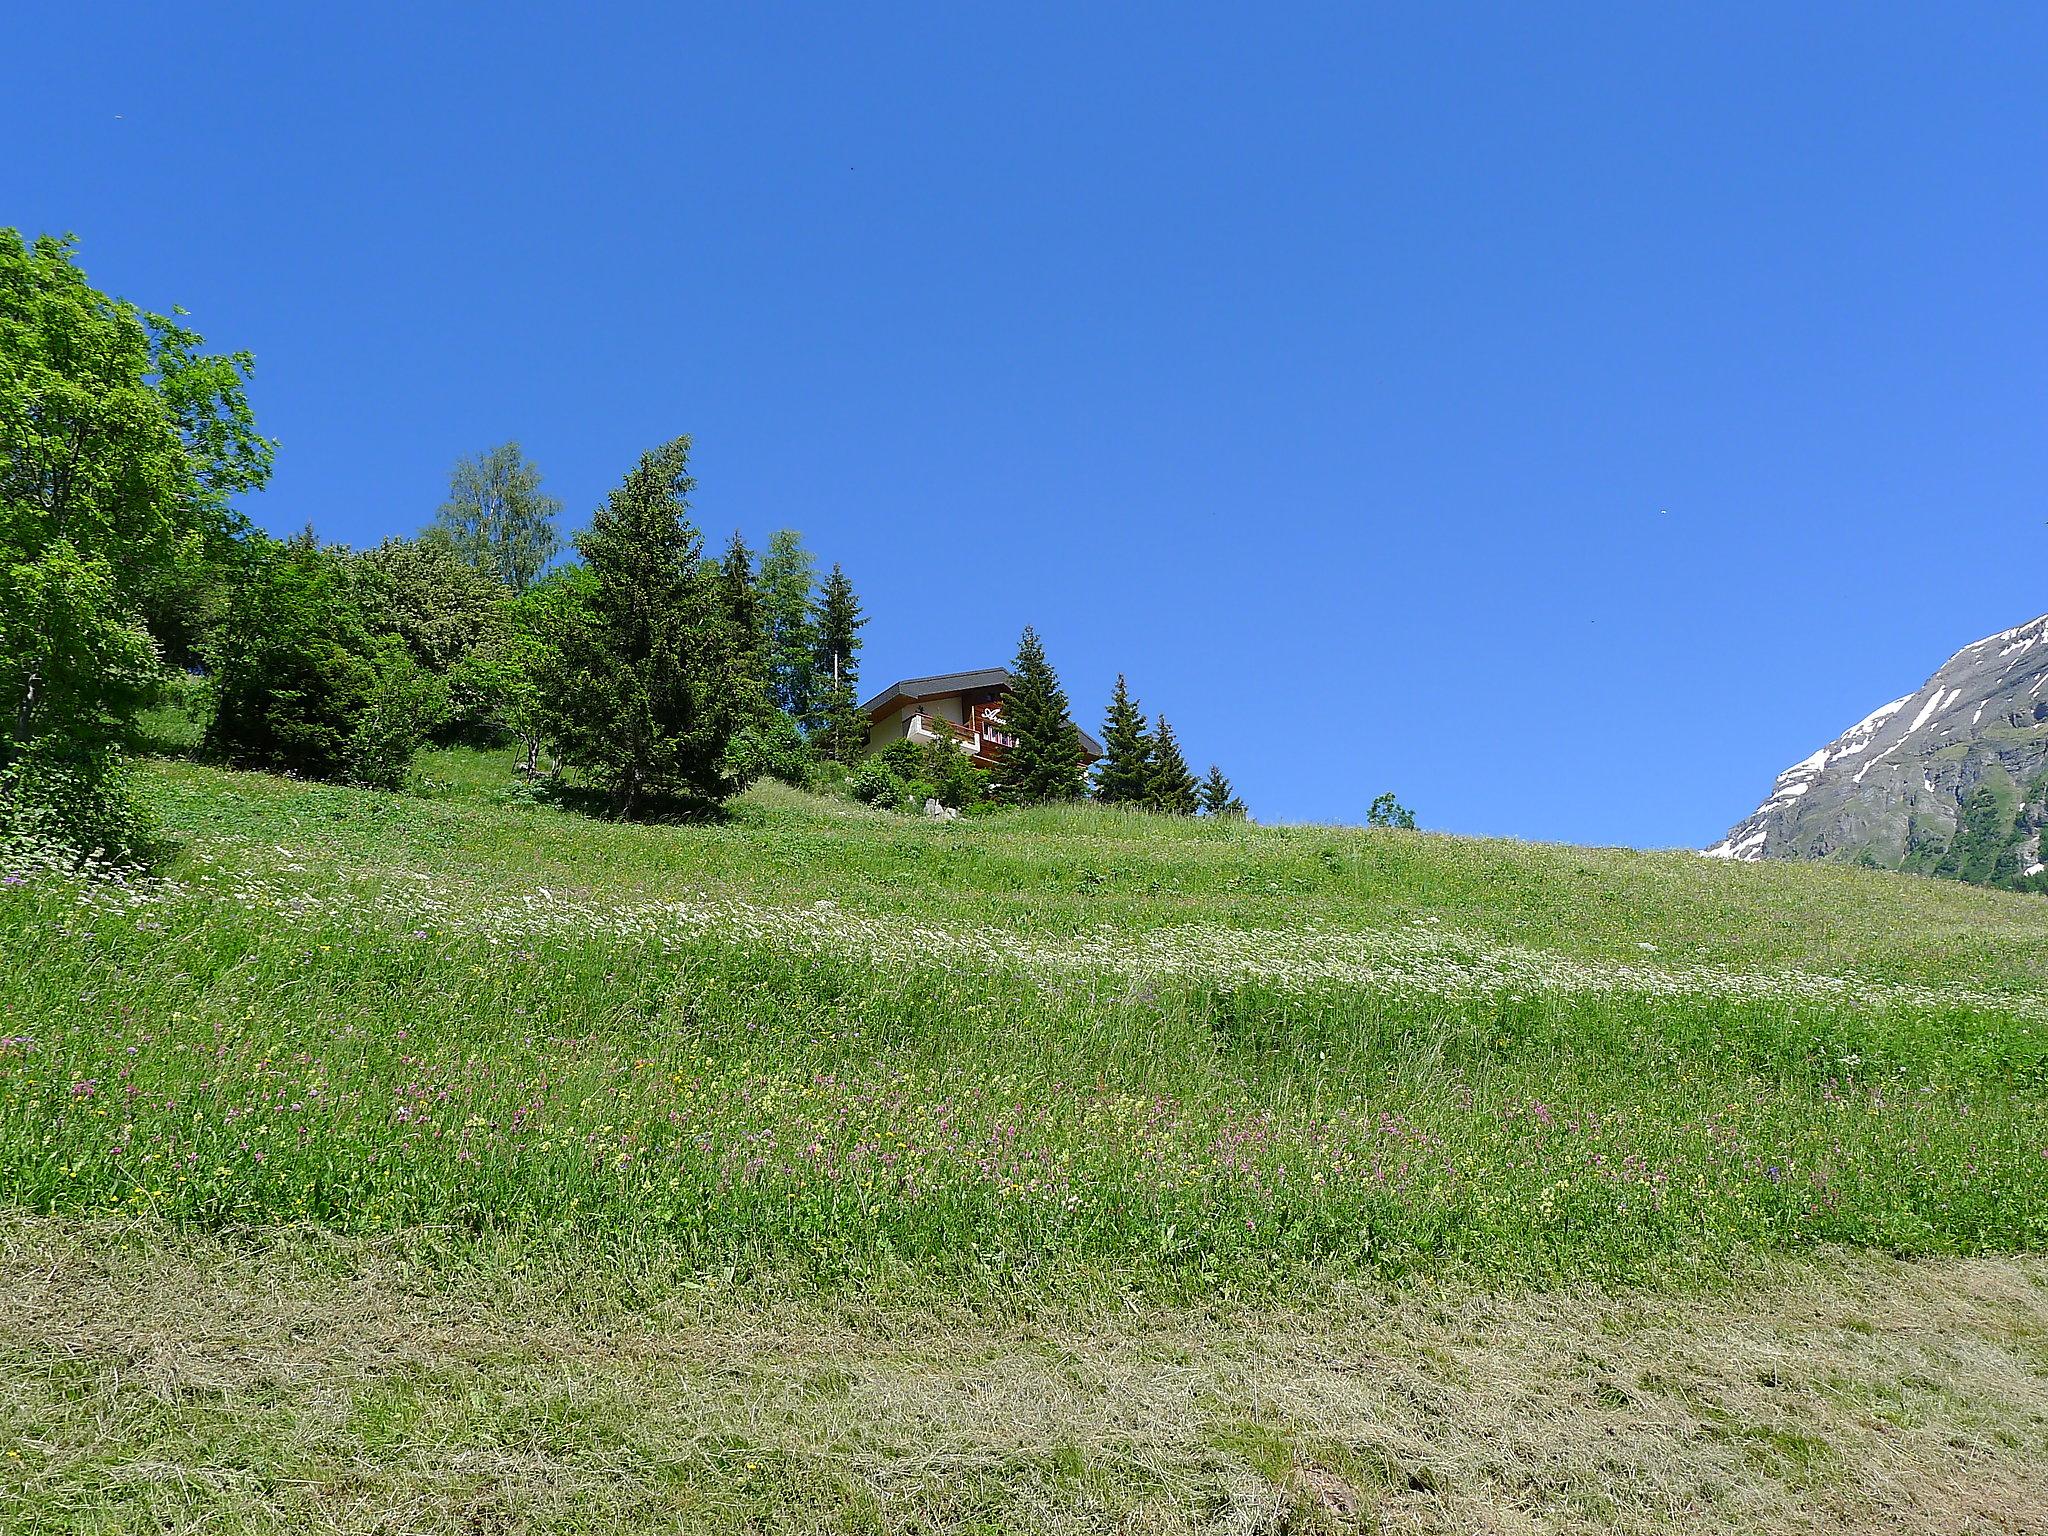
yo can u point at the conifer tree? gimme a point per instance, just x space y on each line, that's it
1218 798
1173 786
643 685
788 634
835 661
740 601
1124 776
1045 764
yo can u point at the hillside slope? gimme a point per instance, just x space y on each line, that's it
451 1162
1947 780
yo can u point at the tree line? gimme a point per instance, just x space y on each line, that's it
666 676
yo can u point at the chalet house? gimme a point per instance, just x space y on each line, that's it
967 706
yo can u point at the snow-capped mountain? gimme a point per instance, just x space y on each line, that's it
1951 779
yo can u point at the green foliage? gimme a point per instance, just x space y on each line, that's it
73 666
425 593
643 682
64 806
789 633
1387 811
497 519
400 704
1218 798
302 680
1985 848
120 446
837 621
769 746
741 600
875 783
905 774
842 731
1045 764
1172 786
1124 775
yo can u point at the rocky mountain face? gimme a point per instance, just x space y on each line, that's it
1950 780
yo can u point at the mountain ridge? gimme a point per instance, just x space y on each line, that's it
1950 779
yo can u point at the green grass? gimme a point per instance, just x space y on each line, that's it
1073 1049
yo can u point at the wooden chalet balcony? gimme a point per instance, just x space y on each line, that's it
983 741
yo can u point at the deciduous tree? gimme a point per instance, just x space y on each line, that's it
498 518
121 444
789 635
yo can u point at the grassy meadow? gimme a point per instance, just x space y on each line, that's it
820 1072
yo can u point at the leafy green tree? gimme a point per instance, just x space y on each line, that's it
1387 811
644 688
1045 764
436 602
497 518
303 680
789 634
121 444
1173 785
400 705
499 685
1218 798
73 673
1124 776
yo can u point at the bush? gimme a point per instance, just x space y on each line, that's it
302 685
771 748
873 783
68 810
402 703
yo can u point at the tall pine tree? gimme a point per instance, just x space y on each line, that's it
1173 786
741 603
837 623
1218 798
1045 764
642 684
1124 776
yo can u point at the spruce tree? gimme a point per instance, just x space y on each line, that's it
1218 798
740 602
1173 786
644 686
1124 776
1045 764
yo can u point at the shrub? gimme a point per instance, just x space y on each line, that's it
402 703
770 748
68 809
874 783
302 685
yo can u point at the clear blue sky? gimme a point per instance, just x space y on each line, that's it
1564 415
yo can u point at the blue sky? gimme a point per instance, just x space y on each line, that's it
1566 416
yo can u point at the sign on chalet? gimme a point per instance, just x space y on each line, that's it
967 706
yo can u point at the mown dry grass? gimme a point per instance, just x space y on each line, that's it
160 1381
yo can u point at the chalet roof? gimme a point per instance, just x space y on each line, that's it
939 687
945 684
